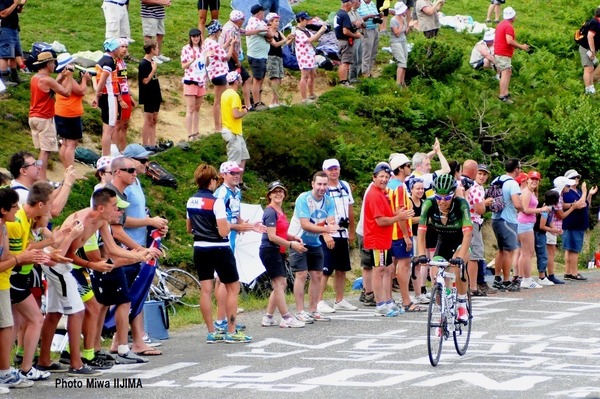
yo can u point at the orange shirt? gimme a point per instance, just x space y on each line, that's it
69 107
42 103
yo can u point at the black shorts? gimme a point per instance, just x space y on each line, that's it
311 260
131 272
152 107
206 4
243 72
209 260
104 111
37 285
110 288
69 128
431 237
274 261
379 4
447 245
20 287
83 286
366 255
219 80
337 258
258 66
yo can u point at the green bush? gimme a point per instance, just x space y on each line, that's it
433 59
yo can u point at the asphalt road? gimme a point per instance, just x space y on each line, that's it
531 344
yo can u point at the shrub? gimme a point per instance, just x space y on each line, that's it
433 59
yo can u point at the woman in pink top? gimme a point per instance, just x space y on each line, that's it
305 54
194 79
526 220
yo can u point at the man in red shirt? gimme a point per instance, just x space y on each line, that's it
504 47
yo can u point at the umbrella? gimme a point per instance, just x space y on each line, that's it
248 262
286 15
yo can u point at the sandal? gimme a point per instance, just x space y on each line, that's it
194 137
413 308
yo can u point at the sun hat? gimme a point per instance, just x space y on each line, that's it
571 174
213 27
271 16
111 45
104 162
508 13
400 8
489 36
382 166
534 174
63 60
561 182
230 166
232 76
236 15
399 160
330 163
44 57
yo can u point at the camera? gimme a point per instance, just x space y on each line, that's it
344 223
377 20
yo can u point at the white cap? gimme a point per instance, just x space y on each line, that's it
508 13
489 35
227 167
330 163
399 160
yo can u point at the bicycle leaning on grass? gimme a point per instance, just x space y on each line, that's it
442 315
175 286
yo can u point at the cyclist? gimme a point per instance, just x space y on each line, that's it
450 216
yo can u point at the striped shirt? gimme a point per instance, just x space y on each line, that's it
152 11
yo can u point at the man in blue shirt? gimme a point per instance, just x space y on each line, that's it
314 215
345 33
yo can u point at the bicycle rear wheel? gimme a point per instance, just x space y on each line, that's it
184 286
462 329
436 325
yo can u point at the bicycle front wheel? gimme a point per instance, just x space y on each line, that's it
436 325
184 286
462 329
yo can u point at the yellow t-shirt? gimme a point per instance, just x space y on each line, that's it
19 234
229 101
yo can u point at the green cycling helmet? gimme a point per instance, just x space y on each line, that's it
445 184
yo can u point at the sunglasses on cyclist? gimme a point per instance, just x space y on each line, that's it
443 197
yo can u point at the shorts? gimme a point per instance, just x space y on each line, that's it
214 5
236 146
10 44
242 71
275 67
194 90
524 227
20 287
125 113
585 60
69 128
117 20
83 286
153 26
506 234
220 80
503 62
366 255
273 260
43 134
311 260
63 295
131 272
431 237
6 319
400 52
110 288
379 4
258 66
346 52
108 111
209 260
551 239
399 249
478 65
337 258
572 240
381 257
477 248
152 107
38 287
497 2
430 34
448 245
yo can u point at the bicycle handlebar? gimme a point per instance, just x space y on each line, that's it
436 263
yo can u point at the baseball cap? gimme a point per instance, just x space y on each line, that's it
104 162
534 174
302 15
521 178
121 203
483 167
271 16
508 13
572 174
330 163
230 166
136 151
561 182
399 160
276 184
382 166
213 27
194 32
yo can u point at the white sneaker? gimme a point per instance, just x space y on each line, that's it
163 58
304 317
291 322
529 284
344 305
35 375
268 321
323 307
317 316
545 281
157 60
422 299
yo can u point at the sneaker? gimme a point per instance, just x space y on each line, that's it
268 321
484 287
215 338
237 337
260 106
317 316
344 305
323 307
53 368
130 358
555 279
14 379
291 322
97 363
478 292
157 60
164 58
84 371
222 326
506 99
362 295
273 105
499 285
346 84
545 281
149 341
65 358
35 375
313 97
386 312
308 101
530 284
305 317
463 315
422 299
105 355
514 286
370 300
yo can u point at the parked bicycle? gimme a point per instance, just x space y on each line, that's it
442 315
175 286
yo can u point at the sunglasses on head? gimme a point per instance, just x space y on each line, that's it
142 161
443 197
128 170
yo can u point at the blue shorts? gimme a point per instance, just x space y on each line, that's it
524 227
10 43
258 66
399 249
506 234
110 288
572 240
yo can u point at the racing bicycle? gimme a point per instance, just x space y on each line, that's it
175 286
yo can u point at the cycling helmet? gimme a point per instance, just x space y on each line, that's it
444 184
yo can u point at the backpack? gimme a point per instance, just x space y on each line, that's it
580 35
160 176
494 191
86 156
